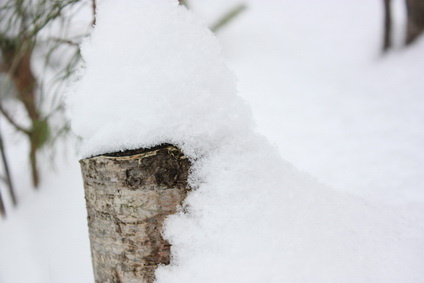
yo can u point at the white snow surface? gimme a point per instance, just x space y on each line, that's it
254 218
154 74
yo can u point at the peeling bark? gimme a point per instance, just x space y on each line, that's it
128 196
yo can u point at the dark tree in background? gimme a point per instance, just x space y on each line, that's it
387 37
415 20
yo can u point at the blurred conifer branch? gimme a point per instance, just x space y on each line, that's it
24 38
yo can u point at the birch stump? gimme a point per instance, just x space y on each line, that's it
128 196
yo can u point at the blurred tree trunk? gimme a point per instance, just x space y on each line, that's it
25 84
128 196
387 39
415 20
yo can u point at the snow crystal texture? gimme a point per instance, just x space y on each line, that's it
154 74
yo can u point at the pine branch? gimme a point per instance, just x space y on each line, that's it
12 121
51 15
65 41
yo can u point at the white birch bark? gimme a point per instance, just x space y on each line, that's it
128 196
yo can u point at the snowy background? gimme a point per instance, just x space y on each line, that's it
320 91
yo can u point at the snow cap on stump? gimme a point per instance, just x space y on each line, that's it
152 73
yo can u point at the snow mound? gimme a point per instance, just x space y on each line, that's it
154 74
254 218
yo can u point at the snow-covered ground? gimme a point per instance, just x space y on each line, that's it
320 91
323 93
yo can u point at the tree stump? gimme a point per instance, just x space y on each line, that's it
128 196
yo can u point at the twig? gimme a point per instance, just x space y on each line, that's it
94 9
7 172
228 17
65 41
2 207
183 3
12 122
52 15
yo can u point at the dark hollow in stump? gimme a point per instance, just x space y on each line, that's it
128 196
